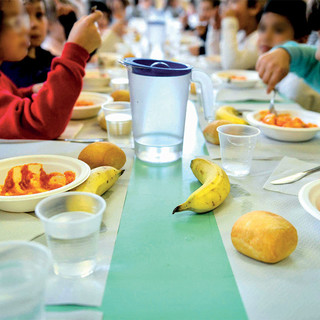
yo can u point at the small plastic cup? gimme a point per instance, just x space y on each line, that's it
24 268
237 143
119 83
119 122
72 223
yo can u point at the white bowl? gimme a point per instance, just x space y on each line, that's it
108 59
51 163
84 112
287 134
251 80
309 197
93 80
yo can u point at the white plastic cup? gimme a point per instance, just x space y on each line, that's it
72 223
24 268
119 122
237 143
119 83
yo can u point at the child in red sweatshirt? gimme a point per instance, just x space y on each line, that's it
43 115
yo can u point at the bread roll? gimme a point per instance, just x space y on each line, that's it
264 236
210 131
102 153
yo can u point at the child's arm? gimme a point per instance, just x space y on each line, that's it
294 88
231 56
274 66
46 115
303 62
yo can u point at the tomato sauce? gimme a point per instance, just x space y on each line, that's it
31 178
83 103
284 120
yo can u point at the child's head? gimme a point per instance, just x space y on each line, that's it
313 15
206 9
38 21
105 20
282 21
246 11
14 31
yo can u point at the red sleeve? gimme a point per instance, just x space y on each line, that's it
26 92
46 114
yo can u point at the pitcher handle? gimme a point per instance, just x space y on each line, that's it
206 92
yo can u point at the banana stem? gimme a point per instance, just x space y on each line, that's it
176 209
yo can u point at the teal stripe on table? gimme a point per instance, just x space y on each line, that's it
168 266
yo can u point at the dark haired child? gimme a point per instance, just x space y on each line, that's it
239 23
36 65
24 115
301 59
283 21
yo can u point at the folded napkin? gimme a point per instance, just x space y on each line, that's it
288 166
75 315
88 291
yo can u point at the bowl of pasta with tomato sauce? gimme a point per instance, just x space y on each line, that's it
26 180
287 125
89 104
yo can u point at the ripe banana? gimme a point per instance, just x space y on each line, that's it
230 114
214 190
100 180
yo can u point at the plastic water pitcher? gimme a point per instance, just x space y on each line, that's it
159 92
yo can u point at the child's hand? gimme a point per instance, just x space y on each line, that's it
119 27
194 50
63 9
227 12
85 32
273 67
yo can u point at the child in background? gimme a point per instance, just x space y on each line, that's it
301 59
283 21
35 66
61 17
24 115
206 11
106 19
238 44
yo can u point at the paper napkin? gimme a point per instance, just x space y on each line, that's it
89 291
19 226
286 167
71 130
254 94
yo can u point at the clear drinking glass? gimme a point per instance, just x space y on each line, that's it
24 268
237 143
72 223
119 122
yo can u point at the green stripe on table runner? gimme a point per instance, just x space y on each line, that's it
168 266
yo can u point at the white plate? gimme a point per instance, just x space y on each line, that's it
84 112
51 163
309 197
251 80
287 134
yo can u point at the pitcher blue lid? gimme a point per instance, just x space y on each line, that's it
157 68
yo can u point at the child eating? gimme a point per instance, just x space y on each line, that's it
24 115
